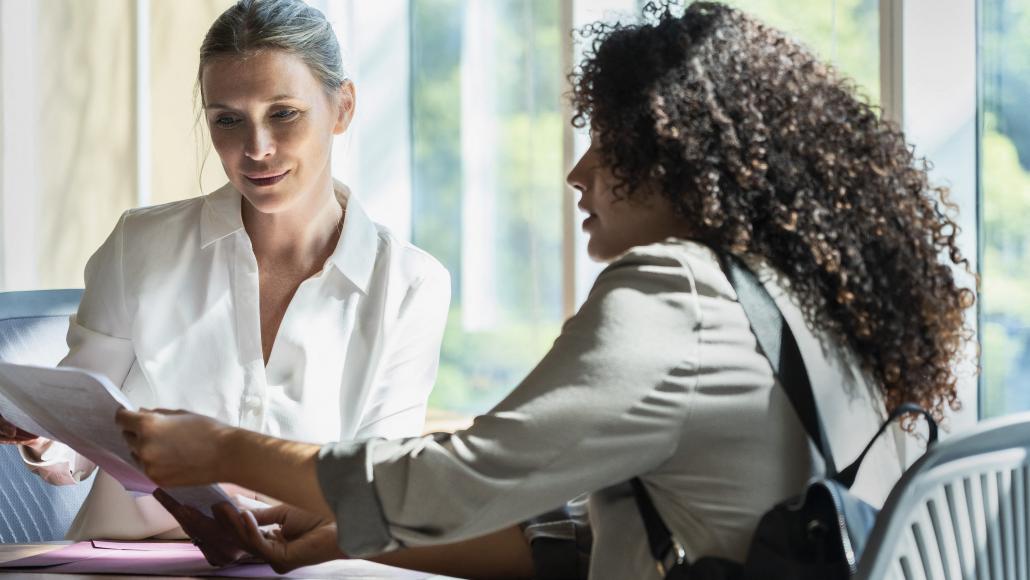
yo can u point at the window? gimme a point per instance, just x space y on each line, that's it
1005 214
843 32
488 181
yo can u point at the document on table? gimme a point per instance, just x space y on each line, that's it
77 408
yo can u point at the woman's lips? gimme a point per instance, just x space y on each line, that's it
590 221
266 179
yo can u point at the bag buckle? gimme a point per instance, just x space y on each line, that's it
675 556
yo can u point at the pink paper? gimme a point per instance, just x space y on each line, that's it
183 559
173 562
144 546
63 555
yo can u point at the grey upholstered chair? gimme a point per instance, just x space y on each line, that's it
32 331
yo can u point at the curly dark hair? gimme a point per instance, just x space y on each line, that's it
768 151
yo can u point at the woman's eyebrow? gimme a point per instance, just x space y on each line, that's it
281 97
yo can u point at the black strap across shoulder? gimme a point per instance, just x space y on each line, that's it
777 343
779 346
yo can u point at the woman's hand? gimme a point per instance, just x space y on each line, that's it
175 448
302 539
11 434
211 535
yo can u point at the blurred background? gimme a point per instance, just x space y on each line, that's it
462 141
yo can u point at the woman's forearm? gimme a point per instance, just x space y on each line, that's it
285 470
503 554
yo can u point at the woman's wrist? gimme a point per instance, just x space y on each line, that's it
231 443
35 448
279 468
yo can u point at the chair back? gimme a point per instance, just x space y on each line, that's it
961 511
33 326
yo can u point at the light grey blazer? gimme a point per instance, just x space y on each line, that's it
657 375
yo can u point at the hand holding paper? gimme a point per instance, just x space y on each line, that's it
174 447
77 408
12 434
181 448
301 539
210 534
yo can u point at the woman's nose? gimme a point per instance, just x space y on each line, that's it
260 144
575 178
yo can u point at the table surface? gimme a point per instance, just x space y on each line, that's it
10 552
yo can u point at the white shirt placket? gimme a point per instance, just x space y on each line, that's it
246 294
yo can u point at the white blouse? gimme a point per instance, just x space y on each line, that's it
170 312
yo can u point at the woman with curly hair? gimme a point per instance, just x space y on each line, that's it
711 134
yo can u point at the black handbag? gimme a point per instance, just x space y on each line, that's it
818 535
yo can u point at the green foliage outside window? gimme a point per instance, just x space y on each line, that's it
480 364
1005 217
845 33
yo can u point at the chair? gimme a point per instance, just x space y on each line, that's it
32 331
961 511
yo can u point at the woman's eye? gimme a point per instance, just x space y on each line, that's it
226 121
285 114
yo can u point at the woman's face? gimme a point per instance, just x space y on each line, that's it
272 124
616 225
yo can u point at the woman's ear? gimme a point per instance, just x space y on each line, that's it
345 101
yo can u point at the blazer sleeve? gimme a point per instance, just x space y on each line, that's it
99 340
607 402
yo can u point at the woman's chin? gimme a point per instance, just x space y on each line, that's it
265 199
600 252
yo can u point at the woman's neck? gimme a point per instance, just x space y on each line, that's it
303 236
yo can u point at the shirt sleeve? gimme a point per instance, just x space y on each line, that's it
606 403
398 404
99 341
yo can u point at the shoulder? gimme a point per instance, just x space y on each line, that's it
141 230
673 265
662 288
155 224
409 262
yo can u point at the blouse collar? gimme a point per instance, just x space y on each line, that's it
355 252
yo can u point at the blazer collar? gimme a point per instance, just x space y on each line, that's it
355 252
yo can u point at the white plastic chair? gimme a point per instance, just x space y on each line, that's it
961 512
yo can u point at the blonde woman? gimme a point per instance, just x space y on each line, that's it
274 303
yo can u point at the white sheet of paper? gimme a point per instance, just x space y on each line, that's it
77 407
13 414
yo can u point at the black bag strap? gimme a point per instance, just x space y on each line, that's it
779 346
777 343
848 474
665 548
